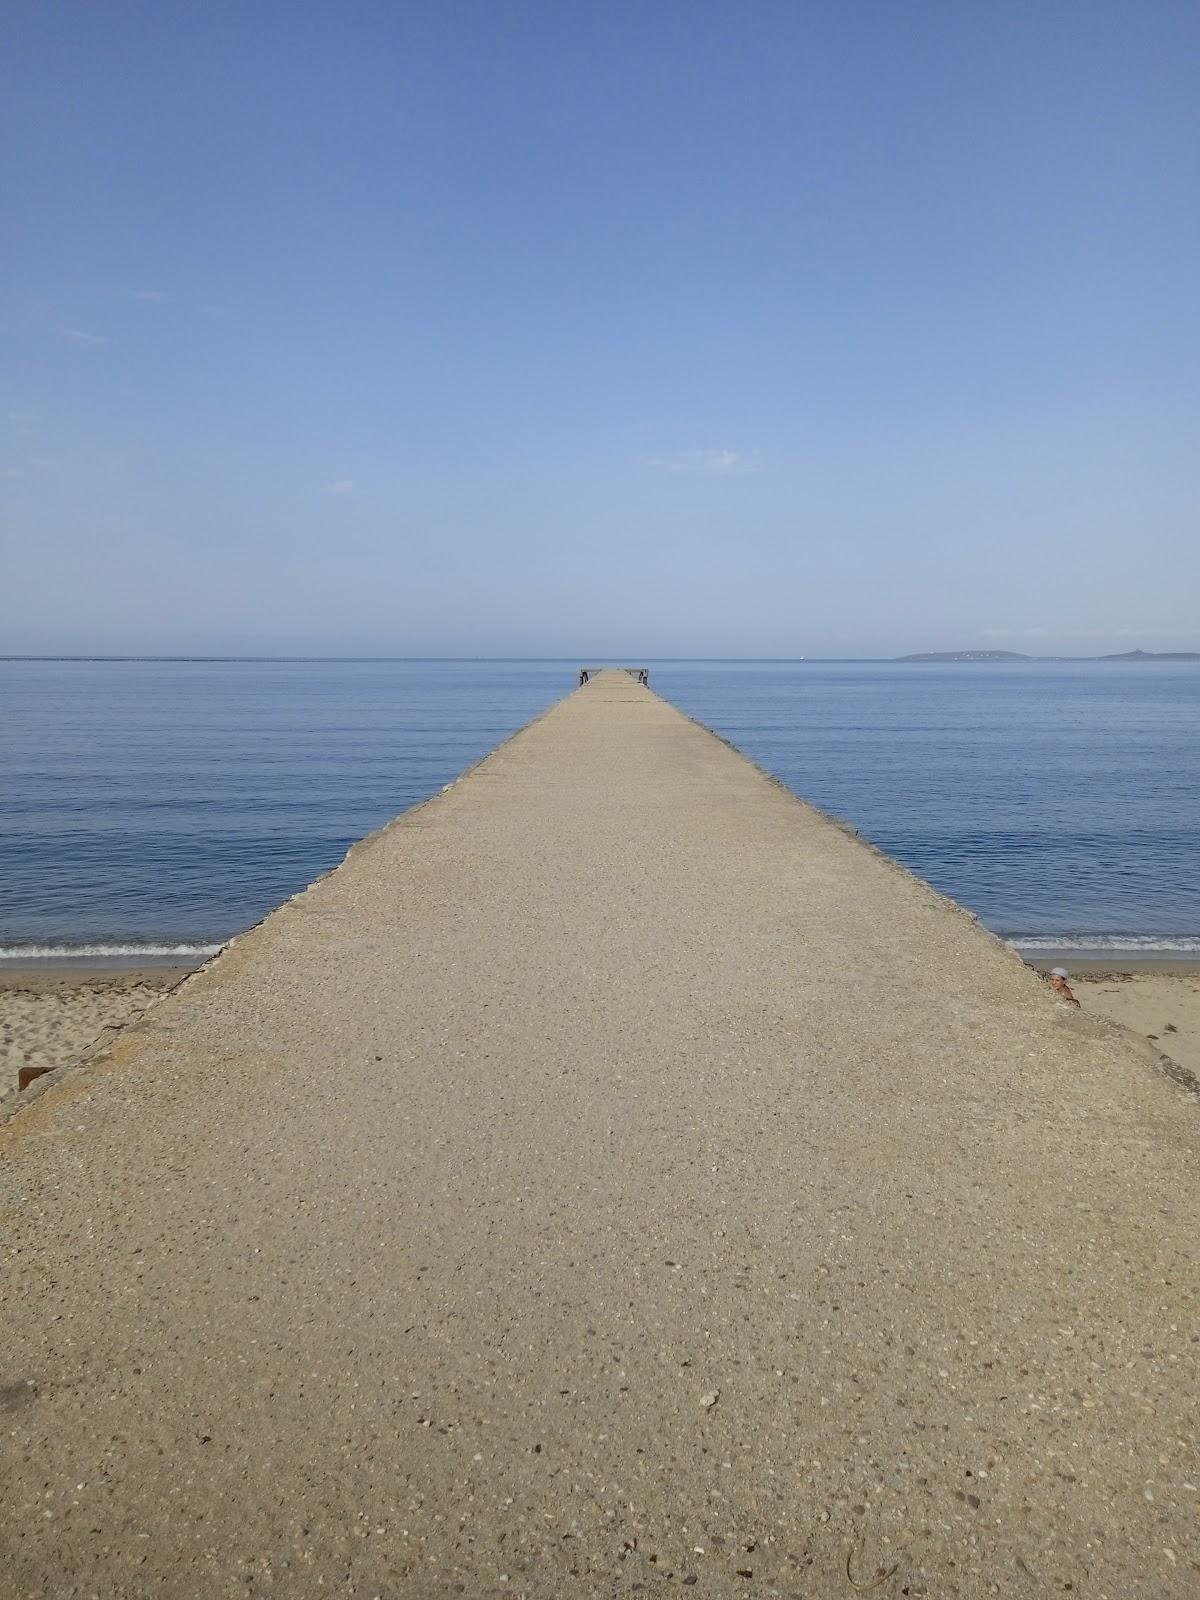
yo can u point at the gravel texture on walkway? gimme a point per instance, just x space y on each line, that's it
613 1178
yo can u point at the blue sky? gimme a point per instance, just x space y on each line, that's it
583 329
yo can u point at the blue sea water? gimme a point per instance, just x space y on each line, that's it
1059 801
162 806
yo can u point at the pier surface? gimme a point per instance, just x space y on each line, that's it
614 1178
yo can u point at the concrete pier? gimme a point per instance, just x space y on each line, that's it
613 1178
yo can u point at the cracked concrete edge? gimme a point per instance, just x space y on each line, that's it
1180 1075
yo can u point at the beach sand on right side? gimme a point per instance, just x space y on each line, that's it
1161 1004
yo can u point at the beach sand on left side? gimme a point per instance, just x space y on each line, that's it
48 1019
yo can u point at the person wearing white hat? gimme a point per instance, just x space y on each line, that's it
1058 982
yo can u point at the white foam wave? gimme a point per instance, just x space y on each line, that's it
67 950
1133 943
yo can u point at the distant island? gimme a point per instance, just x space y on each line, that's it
1015 655
966 655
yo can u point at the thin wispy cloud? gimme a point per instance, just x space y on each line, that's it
129 292
341 486
80 336
710 463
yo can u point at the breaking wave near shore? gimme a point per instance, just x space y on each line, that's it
1141 944
65 951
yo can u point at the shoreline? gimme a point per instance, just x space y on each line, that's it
54 1007
95 967
1097 964
49 975
1112 964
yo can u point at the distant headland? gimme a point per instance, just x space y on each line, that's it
1015 655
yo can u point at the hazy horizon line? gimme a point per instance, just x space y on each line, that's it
914 658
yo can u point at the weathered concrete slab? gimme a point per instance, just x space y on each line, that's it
404 1250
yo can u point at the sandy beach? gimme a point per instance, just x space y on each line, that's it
1163 1007
49 1018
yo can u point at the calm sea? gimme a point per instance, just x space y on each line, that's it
161 806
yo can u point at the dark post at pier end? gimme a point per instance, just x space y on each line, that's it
642 674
